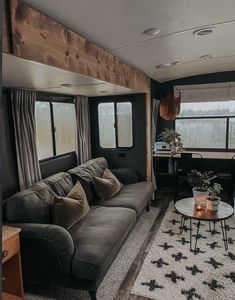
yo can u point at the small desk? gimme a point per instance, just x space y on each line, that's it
206 155
209 155
12 282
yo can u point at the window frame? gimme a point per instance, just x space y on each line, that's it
117 100
206 118
53 98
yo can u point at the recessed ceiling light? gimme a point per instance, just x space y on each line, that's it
203 31
152 31
162 66
176 63
207 56
103 92
66 85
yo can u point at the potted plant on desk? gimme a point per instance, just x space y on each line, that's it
200 182
213 200
173 138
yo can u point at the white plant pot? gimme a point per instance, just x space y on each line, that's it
213 204
200 197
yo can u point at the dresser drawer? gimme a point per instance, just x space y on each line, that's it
10 247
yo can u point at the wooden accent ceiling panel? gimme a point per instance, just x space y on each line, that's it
38 37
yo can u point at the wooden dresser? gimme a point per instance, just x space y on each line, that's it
12 281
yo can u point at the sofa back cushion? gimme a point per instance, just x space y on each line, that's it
31 205
61 183
94 167
85 173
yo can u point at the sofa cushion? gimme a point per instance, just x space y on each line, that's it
107 186
67 211
61 183
31 205
98 238
85 172
134 196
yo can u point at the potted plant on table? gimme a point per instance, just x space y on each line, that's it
213 200
173 138
200 182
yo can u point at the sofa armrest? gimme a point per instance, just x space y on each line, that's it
125 175
47 250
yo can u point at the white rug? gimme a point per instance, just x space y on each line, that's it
171 272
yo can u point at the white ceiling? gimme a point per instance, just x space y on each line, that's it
117 26
21 73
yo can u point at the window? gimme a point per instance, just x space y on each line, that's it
56 128
231 137
65 130
43 129
208 125
115 124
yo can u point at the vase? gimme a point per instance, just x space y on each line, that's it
200 197
213 203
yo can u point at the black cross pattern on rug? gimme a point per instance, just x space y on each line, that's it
174 221
174 277
170 232
179 256
184 228
214 285
230 255
152 284
230 241
213 231
159 263
198 251
228 228
191 294
231 275
200 236
215 264
165 246
183 241
194 270
214 245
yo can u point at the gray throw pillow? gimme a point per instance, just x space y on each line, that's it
107 186
67 211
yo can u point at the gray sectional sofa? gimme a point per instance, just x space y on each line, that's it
80 257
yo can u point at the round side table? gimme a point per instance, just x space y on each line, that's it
186 208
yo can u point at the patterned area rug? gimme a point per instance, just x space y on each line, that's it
171 272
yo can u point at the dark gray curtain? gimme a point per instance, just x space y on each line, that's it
155 110
23 110
83 128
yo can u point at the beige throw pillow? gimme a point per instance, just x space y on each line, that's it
107 186
66 211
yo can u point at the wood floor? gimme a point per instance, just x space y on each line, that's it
123 293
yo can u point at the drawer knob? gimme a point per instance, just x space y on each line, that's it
5 253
